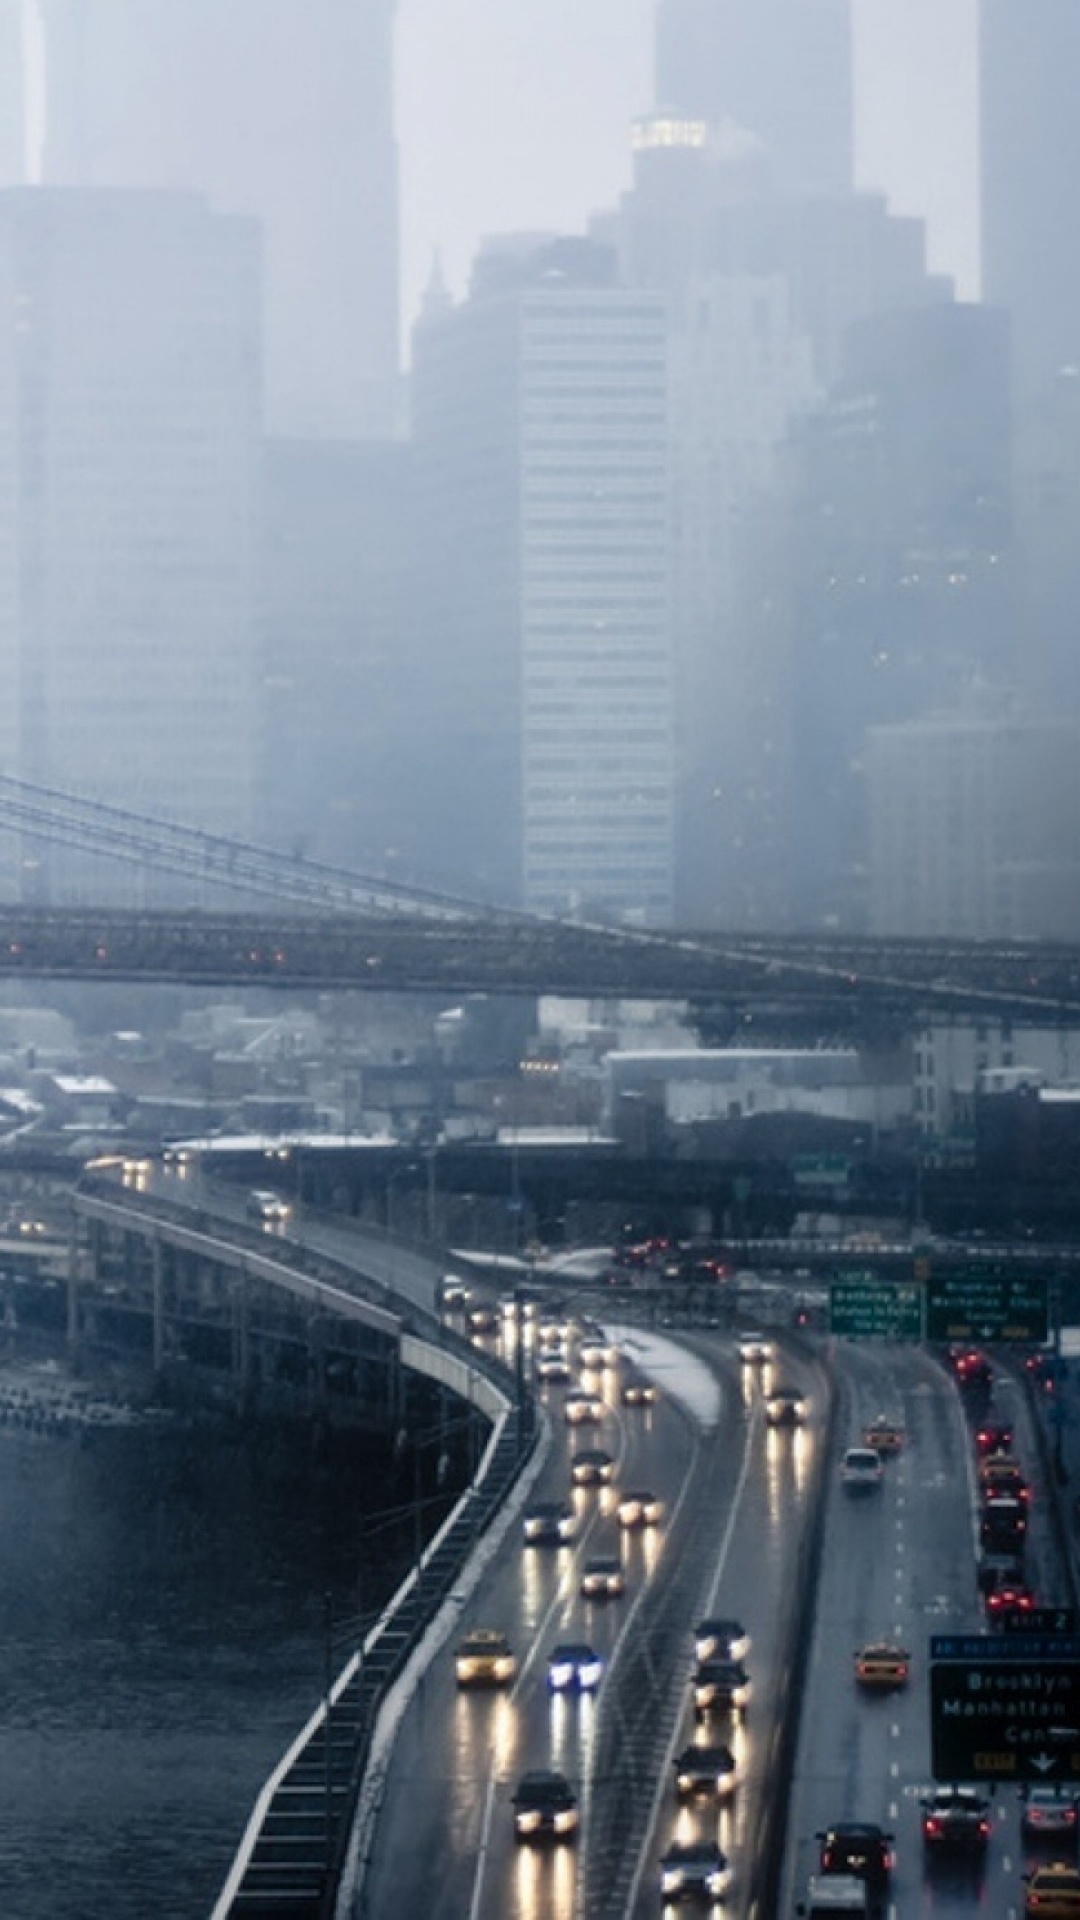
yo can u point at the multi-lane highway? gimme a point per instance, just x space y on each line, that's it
898 1564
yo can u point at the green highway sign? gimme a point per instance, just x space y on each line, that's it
1005 1719
863 1308
971 1303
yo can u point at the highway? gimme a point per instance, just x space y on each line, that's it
729 1543
899 1565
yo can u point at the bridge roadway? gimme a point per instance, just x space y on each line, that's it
899 1564
836 977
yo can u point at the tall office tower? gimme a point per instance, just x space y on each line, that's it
1029 80
281 109
130 429
12 94
902 569
780 69
540 410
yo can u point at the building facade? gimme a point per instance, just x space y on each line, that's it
541 417
130 430
277 109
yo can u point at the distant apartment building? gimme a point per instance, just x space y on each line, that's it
277 109
541 423
130 434
975 828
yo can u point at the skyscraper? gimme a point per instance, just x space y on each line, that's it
541 411
281 109
1029 79
12 96
130 430
781 68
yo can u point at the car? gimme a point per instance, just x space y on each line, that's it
955 1820
1002 1524
705 1773
1053 1891
884 1436
574 1667
553 1366
271 1208
720 1686
453 1293
639 1509
971 1369
993 1436
602 1578
592 1467
550 1523
1050 1813
481 1319
882 1665
720 1639
484 1659
582 1408
995 1569
859 1848
755 1347
552 1330
785 1407
638 1390
545 1806
596 1350
861 1470
998 1480
694 1870
1009 1600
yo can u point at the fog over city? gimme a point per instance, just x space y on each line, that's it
540 935
555 458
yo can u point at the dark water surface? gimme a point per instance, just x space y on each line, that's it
162 1639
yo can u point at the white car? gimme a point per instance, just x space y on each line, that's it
861 1469
755 1347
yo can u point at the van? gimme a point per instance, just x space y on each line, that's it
835 1896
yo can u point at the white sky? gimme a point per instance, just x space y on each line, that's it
515 114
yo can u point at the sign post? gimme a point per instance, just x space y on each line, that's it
862 1307
1005 1708
975 1304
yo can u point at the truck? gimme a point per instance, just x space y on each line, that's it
835 1896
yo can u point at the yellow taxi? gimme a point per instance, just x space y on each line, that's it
1053 1891
885 1436
484 1659
881 1664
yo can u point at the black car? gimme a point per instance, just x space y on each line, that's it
716 1638
545 1807
956 1820
704 1773
694 1870
720 1686
860 1848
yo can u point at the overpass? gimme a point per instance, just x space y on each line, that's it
398 951
185 1281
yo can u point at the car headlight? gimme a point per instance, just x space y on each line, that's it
561 1675
467 1669
566 1821
504 1667
528 1822
672 1879
740 1696
717 1881
567 1529
589 1674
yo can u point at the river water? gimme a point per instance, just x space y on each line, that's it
163 1635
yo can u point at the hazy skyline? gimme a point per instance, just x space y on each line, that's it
519 118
